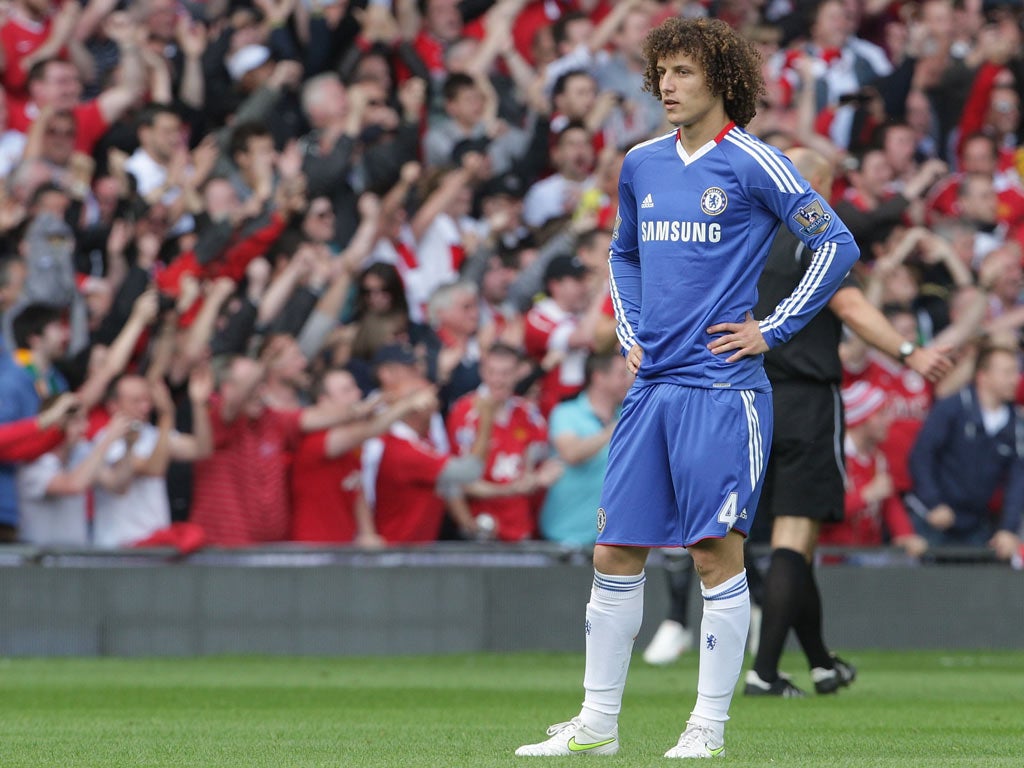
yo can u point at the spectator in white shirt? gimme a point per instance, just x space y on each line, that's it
142 509
159 162
53 490
559 194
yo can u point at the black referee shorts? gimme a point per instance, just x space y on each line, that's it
806 469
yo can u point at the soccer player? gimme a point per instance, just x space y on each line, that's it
698 208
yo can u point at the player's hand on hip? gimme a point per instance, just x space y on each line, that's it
742 339
634 358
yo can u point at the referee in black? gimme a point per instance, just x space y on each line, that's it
805 477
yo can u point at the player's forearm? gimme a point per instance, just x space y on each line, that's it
624 284
832 260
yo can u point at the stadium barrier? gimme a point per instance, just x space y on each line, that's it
446 598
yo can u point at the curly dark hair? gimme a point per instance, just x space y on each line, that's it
732 65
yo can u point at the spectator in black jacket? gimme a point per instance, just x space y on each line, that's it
971 447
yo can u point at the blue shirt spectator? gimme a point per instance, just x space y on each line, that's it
579 429
18 400
25 377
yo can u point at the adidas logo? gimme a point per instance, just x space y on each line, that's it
648 201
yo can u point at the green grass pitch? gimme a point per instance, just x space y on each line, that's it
906 709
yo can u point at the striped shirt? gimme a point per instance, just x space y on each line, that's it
241 491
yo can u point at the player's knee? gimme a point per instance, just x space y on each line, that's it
717 561
619 561
710 569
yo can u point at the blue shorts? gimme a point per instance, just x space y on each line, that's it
684 464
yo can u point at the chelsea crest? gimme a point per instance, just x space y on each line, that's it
713 201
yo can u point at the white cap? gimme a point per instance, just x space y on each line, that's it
246 59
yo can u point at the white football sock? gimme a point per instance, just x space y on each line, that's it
723 637
614 615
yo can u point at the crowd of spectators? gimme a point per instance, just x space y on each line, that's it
329 271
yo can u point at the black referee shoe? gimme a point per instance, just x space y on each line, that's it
831 680
780 687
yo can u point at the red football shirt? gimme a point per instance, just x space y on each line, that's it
324 492
19 37
866 524
516 427
90 124
403 469
241 491
942 200
547 328
908 398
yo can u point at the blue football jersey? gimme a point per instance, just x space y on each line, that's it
691 239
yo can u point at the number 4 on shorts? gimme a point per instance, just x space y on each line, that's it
727 512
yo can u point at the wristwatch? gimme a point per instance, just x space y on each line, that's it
906 350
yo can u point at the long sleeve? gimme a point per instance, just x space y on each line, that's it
295 312
383 162
973 118
535 158
530 281
23 440
134 285
1013 495
314 332
237 257
925 456
895 86
233 338
282 44
624 269
319 51
897 520
213 240
810 218
256 108
323 172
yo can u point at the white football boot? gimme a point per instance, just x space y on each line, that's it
572 738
